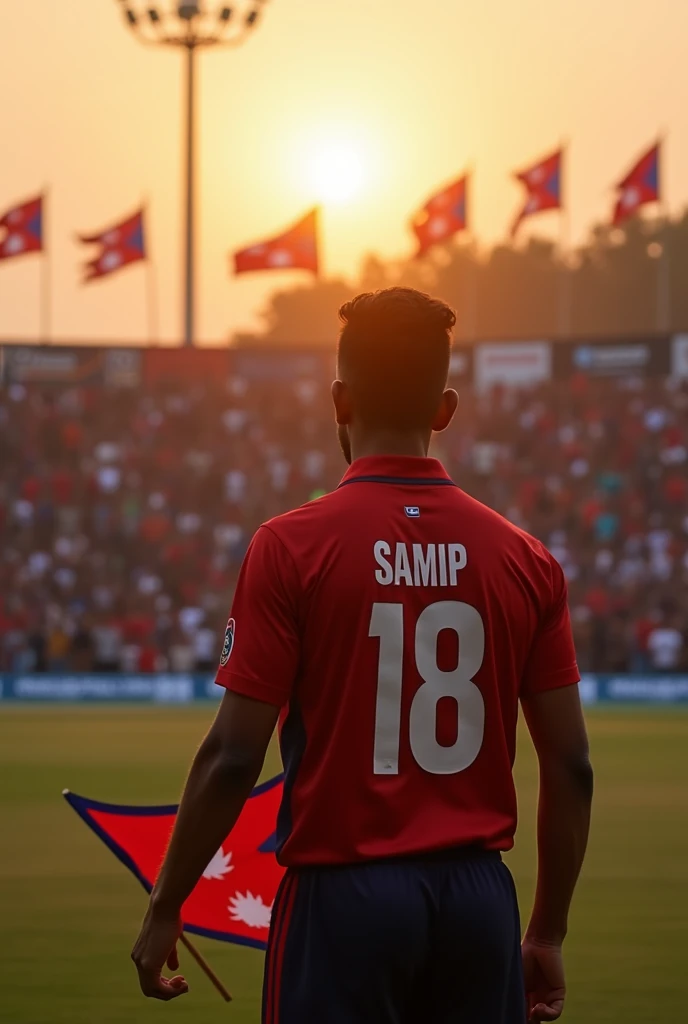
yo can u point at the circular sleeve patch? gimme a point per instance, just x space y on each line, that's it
228 643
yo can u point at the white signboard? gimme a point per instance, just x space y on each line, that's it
514 363
679 355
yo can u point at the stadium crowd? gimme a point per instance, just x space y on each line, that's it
124 515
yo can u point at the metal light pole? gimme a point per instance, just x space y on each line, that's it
191 26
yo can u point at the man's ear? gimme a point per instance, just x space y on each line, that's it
445 413
342 403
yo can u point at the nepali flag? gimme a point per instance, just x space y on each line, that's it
119 245
543 185
443 215
295 249
23 226
234 897
640 186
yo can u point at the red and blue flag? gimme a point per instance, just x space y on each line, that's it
640 186
442 216
542 182
23 226
121 244
294 249
234 897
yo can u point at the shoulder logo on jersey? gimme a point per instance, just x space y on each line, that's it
228 643
412 511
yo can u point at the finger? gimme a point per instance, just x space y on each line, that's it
166 993
541 1012
173 959
177 986
155 986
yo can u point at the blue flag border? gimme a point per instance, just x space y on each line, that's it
83 806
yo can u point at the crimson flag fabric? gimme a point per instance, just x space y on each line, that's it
296 248
119 245
443 215
543 186
234 897
23 226
640 186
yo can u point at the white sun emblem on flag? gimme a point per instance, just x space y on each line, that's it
438 226
630 196
110 261
250 910
280 258
220 865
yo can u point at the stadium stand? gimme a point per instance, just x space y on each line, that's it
124 514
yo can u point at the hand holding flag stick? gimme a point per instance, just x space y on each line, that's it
205 967
234 897
150 961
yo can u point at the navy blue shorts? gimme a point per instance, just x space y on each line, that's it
424 941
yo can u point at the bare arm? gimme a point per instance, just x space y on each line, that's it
222 775
556 725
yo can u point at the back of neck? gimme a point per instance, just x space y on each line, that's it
383 443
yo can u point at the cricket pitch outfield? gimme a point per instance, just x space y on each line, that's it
70 910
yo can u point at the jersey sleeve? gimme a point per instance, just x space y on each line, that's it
261 649
552 658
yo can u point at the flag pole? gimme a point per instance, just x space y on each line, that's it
151 283
205 967
319 234
472 304
152 303
664 261
45 303
564 246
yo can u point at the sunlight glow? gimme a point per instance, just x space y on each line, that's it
336 170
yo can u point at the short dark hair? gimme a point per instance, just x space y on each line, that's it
393 353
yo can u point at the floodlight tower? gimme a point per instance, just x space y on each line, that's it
191 26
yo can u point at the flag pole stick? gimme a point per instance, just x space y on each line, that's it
318 238
205 967
151 284
471 319
664 277
664 261
564 245
45 304
472 313
152 303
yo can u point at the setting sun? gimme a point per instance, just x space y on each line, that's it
336 170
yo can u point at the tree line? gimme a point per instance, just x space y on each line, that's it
629 281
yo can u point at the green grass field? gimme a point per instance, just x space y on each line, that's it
70 911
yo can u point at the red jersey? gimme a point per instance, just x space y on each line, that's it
396 622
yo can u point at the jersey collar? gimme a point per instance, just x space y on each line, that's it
397 469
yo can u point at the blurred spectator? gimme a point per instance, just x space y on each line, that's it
665 645
123 522
107 639
81 649
205 650
57 648
182 656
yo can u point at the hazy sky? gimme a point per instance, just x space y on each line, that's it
420 88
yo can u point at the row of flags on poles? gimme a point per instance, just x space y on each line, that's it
444 215
119 245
